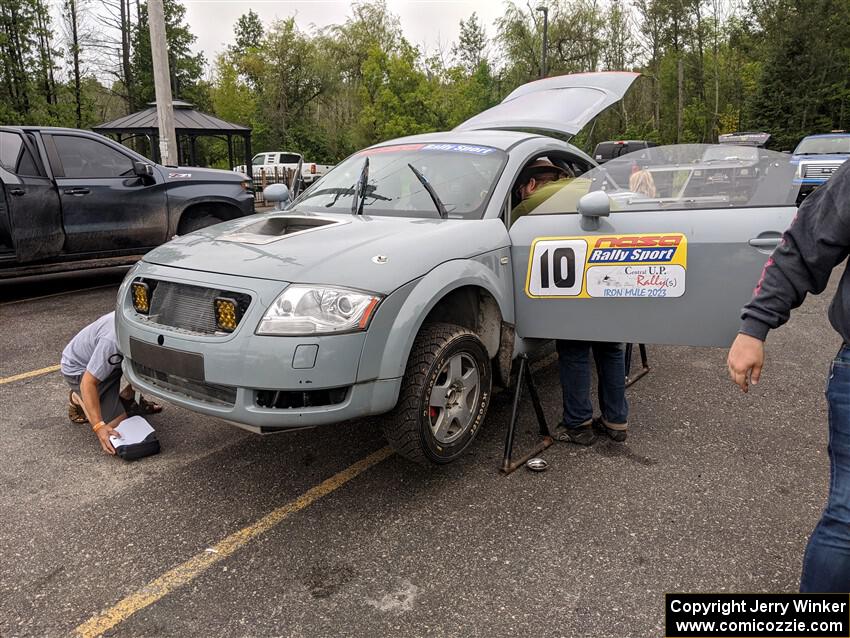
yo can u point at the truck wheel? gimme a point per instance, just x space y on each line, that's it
196 222
444 395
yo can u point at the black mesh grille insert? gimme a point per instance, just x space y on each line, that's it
292 399
189 308
211 393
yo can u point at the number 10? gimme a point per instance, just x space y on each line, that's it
563 267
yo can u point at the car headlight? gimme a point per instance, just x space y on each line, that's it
315 310
799 172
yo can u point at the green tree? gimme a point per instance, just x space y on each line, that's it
803 87
471 48
396 96
186 68
244 54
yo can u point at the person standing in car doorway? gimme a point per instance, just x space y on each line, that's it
538 181
815 243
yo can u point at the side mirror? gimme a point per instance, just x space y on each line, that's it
591 207
142 169
277 193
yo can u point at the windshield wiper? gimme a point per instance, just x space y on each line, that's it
296 179
360 190
444 214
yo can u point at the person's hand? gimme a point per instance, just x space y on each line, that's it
103 433
745 361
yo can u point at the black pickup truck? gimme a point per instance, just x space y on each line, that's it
72 199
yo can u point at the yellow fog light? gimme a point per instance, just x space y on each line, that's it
226 313
141 297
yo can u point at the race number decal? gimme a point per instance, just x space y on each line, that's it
557 267
610 266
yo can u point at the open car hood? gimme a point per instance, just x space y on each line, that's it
563 105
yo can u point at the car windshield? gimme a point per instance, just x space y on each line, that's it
682 177
839 144
258 159
461 175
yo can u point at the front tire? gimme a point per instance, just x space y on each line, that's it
444 395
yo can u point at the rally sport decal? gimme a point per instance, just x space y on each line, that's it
651 265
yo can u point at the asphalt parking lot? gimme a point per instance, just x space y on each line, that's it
227 534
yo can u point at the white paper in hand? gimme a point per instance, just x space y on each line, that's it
132 430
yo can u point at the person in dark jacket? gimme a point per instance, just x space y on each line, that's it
817 241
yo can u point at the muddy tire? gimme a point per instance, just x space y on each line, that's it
444 395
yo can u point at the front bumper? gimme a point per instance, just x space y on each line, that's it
243 373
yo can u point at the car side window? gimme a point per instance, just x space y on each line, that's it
83 157
15 157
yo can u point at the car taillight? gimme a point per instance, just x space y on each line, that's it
312 169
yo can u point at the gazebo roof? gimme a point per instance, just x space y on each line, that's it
186 120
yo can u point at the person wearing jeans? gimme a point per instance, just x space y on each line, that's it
574 367
826 564
815 243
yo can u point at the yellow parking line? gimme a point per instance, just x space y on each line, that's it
29 375
195 566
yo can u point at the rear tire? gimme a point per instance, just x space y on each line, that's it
444 395
196 222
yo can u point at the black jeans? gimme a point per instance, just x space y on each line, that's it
574 364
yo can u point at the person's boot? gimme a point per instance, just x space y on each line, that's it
580 435
614 431
75 411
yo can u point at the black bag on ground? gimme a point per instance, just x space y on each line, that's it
147 447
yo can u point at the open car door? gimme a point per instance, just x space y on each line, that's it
562 105
670 247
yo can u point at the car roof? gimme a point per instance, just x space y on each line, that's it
54 129
503 140
827 135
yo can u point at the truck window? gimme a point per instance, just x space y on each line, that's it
15 157
87 158
289 158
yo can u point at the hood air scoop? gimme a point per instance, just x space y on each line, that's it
274 229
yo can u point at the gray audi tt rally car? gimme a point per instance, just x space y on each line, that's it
401 285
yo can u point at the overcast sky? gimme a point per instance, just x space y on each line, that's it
425 23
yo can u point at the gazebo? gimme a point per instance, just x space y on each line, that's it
188 123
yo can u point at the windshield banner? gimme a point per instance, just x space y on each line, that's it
614 266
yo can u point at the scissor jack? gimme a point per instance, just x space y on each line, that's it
523 375
644 363
547 435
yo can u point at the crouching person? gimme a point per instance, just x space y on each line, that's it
91 365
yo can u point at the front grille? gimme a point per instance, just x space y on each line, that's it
223 395
820 170
189 308
293 399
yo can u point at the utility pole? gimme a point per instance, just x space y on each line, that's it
162 84
543 53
